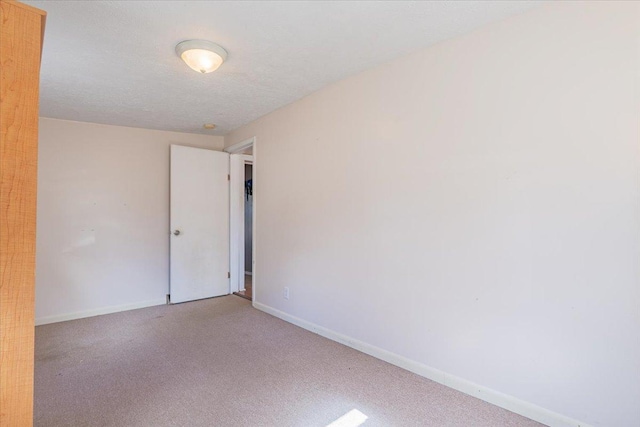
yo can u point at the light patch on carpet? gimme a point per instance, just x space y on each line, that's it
353 418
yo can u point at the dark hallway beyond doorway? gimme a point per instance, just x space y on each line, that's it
248 292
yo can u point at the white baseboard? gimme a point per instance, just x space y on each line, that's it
497 398
98 311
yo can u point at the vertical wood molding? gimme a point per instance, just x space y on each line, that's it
21 29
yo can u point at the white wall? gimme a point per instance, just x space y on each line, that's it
473 207
103 217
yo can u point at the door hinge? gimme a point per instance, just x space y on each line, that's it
228 177
228 275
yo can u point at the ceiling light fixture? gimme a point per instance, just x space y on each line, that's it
209 126
201 55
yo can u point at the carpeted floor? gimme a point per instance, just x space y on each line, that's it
219 362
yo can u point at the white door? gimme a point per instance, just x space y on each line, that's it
199 224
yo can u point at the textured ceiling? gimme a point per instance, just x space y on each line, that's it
113 62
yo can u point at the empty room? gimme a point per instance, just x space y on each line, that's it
320 213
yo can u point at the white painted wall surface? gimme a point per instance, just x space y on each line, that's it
473 207
103 217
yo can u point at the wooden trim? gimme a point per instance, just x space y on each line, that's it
21 32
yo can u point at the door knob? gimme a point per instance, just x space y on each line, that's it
177 232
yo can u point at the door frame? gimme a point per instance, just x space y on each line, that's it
236 215
236 220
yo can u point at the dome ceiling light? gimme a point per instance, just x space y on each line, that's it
201 55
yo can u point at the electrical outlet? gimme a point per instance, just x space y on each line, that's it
286 292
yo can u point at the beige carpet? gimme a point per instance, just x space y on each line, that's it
219 362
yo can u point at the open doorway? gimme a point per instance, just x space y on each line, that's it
248 231
242 223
